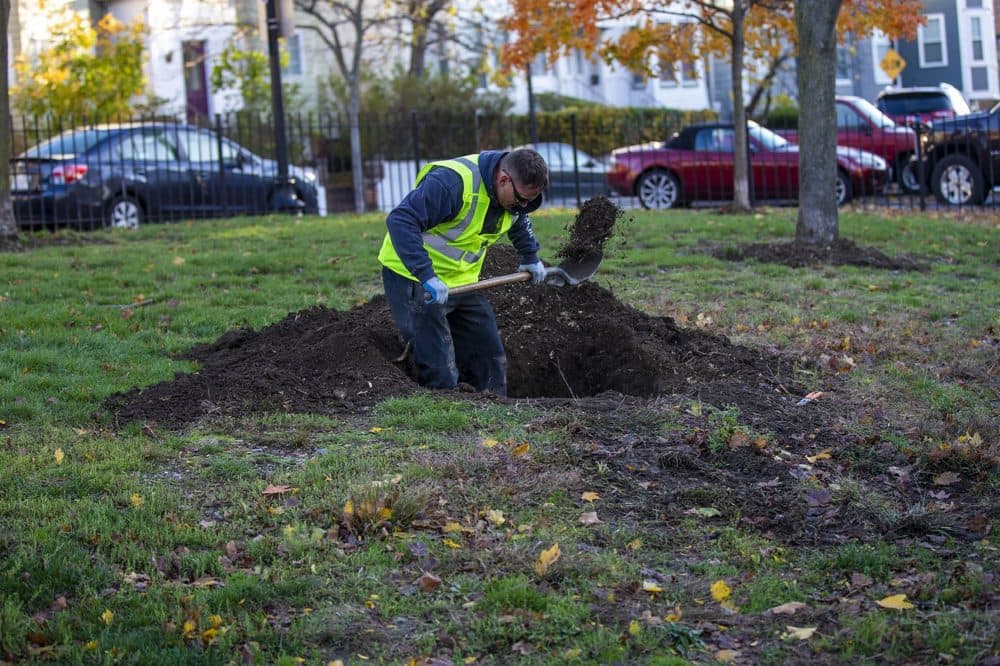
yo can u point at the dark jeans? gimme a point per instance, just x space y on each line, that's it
452 343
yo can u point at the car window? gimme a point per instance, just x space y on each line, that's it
204 147
147 146
714 139
903 105
68 144
848 118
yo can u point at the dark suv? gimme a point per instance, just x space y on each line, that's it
122 175
962 157
922 104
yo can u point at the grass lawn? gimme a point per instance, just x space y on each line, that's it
433 530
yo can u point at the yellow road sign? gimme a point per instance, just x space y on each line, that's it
892 64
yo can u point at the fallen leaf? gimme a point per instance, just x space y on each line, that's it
801 633
495 517
675 615
107 616
896 601
136 500
178 261
727 656
860 580
276 490
489 442
634 628
547 558
704 512
822 455
720 590
589 518
521 450
590 496
946 479
59 455
634 544
429 582
818 496
452 544
651 587
787 608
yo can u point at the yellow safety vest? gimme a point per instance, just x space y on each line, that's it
458 246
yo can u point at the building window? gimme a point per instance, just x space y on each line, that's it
638 81
845 63
973 4
668 74
294 47
976 28
880 46
689 74
933 45
980 78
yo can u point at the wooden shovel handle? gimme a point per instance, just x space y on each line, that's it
498 281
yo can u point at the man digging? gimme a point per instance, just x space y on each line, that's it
437 238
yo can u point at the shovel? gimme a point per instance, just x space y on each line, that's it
569 272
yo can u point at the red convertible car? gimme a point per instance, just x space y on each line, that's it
697 165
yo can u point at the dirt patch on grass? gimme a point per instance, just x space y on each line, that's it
25 242
841 252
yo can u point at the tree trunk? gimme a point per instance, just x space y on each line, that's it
741 161
418 50
354 119
8 226
816 21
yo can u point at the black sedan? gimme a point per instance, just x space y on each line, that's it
122 175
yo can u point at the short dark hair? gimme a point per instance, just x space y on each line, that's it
529 166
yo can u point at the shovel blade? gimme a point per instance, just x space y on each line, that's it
574 271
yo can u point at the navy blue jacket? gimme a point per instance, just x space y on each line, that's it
437 199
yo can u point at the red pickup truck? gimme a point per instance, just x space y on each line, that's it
861 125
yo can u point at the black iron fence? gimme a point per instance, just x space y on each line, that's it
133 170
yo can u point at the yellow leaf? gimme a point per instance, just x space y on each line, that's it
651 587
348 508
209 635
720 590
495 517
633 628
59 456
489 442
547 558
572 653
590 496
675 615
275 510
801 633
107 616
375 429
90 646
451 544
452 527
385 513
787 609
188 628
727 656
589 518
215 621
521 450
822 455
634 544
896 601
136 500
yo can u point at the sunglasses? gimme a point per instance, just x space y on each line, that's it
518 197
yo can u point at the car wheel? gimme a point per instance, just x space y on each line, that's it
844 191
958 181
124 212
906 175
658 189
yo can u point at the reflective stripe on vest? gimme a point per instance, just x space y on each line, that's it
440 242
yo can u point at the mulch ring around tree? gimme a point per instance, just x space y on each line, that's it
841 252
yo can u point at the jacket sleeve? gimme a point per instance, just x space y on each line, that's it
436 199
522 237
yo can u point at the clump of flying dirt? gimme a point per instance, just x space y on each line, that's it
591 229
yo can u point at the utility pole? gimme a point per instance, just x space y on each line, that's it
285 199
532 122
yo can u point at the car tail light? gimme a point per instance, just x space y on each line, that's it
68 173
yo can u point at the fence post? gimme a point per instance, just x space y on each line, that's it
414 128
922 190
222 167
576 167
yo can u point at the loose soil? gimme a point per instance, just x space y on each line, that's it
841 252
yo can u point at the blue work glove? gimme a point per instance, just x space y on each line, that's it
536 269
437 291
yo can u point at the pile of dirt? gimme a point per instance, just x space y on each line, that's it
563 343
841 252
